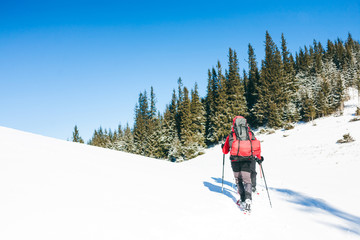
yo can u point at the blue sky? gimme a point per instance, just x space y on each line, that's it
85 62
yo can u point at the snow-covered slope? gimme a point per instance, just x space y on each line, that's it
52 189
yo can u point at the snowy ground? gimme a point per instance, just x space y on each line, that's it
53 189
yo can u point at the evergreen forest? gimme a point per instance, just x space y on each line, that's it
275 93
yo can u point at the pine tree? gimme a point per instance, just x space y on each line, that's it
251 83
175 151
129 144
99 138
234 88
76 136
169 132
154 141
309 111
211 107
153 111
221 129
185 118
321 99
154 128
337 94
351 73
330 53
317 56
271 101
147 127
141 125
179 102
118 139
289 86
197 127
111 138
303 60
340 55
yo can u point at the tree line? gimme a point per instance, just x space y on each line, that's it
282 89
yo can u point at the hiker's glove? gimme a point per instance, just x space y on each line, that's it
259 161
222 146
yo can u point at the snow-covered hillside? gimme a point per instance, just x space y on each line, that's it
52 189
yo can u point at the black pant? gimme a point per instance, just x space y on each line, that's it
253 172
242 173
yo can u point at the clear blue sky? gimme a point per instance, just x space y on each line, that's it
85 62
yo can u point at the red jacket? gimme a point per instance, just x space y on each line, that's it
247 148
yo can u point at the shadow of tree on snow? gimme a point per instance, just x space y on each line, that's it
314 204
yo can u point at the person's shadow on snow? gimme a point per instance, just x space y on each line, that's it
229 189
315 205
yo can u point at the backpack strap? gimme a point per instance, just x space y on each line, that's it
248 135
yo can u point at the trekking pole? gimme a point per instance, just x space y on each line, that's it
222 179
262 170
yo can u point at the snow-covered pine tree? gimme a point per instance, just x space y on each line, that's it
356 51
290 87
321 99
350 73
141 124
129 145
197 127
169 133
154 128
331 88
221 129
186 135
211 105
337 94
311 82
175 151
268 109
118 141
155 149
308 109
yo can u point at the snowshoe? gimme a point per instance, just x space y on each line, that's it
247 205
241 204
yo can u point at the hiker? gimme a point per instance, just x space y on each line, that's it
244 150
